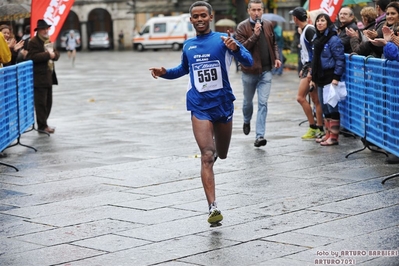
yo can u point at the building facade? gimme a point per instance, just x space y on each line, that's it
128 16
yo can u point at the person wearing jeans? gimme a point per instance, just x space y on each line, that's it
262 85
258 37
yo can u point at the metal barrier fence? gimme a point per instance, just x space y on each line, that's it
371 109
25 96
16 104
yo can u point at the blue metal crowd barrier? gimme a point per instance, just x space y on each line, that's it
8 106
352 110
16 104
25 96
371 109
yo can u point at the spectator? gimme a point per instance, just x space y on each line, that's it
258 37
328 66
315 130
43 55
22 53
359 42
278 33
13 45
380 7
347 21
369 16
389 31
5 53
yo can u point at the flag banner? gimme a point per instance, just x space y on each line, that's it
331 7
54 12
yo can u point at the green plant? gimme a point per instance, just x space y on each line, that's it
292 58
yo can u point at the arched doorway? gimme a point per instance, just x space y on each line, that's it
71 23
100 20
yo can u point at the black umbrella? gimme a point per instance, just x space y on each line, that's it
10 12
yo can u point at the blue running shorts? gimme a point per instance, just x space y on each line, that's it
219 114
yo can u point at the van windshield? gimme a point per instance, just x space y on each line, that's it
145 30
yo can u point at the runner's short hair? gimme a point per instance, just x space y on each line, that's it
201 3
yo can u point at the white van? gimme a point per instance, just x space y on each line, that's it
164 32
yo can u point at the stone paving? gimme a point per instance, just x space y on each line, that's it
118 183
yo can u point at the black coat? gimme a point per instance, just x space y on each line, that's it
345 39
42 75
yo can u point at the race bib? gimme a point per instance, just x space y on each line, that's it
207 76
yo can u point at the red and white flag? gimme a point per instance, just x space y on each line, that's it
331 7
54 12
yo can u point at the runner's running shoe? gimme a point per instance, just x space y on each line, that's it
310 134
215 215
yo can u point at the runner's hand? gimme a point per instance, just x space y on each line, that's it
230 42
157 72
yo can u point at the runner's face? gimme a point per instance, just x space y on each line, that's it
392 16
200 19
255 11
321 24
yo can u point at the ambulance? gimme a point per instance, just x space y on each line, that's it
164 32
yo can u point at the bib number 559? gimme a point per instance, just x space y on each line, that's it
207 75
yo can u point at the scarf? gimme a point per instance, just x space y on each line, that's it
321 39
47 47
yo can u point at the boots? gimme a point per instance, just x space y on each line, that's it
326 130
334 127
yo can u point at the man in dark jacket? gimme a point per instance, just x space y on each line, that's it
347 21
43 55
257 36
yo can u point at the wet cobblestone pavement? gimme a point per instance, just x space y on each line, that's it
118 183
